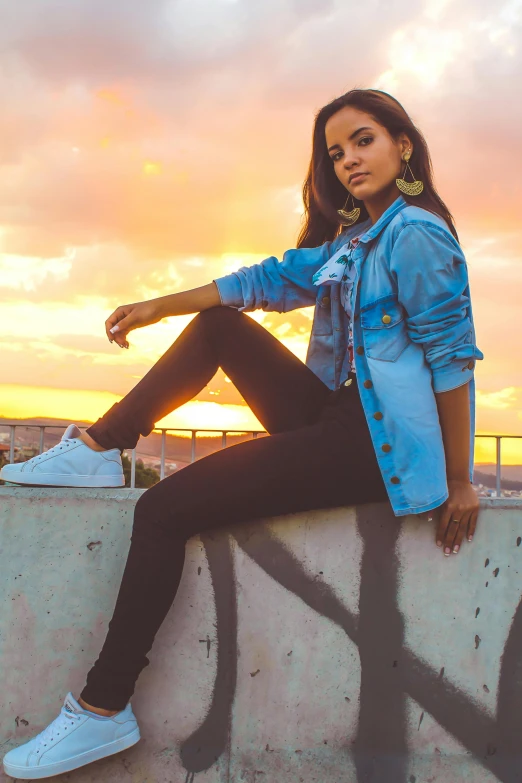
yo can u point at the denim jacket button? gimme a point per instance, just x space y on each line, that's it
386 448
386 319
359 350
325 300
368 385
395 480
471 365
377 416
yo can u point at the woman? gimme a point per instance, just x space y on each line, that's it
382 410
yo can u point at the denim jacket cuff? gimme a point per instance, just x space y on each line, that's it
453 375
230 291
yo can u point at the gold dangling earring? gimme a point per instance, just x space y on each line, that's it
349 218
414 188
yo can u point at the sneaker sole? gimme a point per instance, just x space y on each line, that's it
59 767
54 480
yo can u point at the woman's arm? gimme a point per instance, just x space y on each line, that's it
280 286
139 314
186 302
454 417
271 285
433 288
458 515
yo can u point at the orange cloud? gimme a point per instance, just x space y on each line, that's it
149 148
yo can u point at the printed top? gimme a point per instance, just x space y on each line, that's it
341 269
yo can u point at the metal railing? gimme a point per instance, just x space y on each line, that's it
193 439
42 427
498 439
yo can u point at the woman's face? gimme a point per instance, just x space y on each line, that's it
357 144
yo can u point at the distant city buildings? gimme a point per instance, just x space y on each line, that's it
488 492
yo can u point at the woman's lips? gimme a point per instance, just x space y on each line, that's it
357 178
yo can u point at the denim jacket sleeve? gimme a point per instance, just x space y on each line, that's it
432 281
276 285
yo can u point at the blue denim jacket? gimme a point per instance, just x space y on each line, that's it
410 269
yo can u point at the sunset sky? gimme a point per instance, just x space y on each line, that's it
148 147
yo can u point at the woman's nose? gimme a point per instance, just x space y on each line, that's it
350 161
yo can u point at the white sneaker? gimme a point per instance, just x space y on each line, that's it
75 738
71 463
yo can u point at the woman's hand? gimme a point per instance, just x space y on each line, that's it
457 516
132 316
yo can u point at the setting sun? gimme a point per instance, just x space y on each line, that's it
18 402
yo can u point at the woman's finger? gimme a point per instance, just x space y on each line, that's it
451 532
461 532
111 321
117 326
472 524
121 329
442 525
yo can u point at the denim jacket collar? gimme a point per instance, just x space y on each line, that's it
384 219
353 252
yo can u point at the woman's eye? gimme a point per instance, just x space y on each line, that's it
365 138
337 156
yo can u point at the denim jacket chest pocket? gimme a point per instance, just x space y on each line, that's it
384 328
322 323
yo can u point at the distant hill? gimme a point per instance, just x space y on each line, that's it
510 472
490 480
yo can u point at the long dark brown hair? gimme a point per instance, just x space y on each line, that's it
324 194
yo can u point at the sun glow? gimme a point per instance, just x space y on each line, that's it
421 52
70 405
485 451
23 402
152 168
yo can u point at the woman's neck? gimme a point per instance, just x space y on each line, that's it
378 204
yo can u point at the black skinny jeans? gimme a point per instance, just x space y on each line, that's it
319 454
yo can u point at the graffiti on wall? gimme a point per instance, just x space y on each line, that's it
389 671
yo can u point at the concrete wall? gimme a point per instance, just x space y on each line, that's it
332 646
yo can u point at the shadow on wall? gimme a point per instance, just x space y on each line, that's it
379 750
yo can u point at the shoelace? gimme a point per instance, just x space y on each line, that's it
59 726
55 449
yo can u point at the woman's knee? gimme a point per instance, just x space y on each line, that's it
156 513
220 315
148 514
